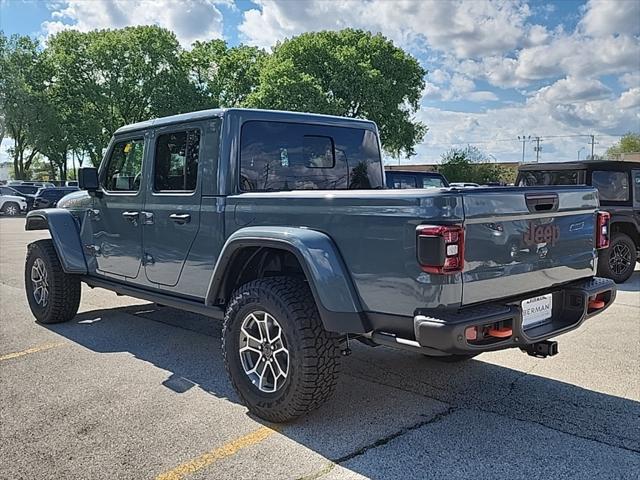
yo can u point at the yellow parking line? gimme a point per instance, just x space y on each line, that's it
38 348
216 454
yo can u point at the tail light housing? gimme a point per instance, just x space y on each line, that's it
602 230
440 248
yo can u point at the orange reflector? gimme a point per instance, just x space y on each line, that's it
596 304
503 332
471 333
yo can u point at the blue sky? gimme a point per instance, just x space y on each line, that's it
561 70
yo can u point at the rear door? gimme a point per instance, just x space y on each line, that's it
520 240
171 216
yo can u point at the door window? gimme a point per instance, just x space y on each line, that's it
636 187
612 186
124 169
176 161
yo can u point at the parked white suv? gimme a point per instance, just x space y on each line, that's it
12 205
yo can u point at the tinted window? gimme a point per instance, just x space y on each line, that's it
125 166
6 191
612 186
636 187
176 161
26 189
290 156
558 177
401 181
432 181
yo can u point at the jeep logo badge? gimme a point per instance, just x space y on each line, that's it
537 234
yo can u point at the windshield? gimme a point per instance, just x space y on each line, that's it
551 177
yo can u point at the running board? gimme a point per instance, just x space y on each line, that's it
156 297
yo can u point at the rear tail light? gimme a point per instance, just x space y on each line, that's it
440 248
602 231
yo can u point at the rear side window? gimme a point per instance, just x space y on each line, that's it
289 156
176 161
551 177
124 168
402 181
612 186
432 182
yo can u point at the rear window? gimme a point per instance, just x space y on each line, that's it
551 177
289 156
612 186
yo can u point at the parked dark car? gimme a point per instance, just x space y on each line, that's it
409 179
13 191
618 184
48 197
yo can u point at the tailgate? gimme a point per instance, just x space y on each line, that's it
523 239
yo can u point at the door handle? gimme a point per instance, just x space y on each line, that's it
131 216
180 218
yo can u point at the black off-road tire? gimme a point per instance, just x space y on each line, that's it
64 289
11 209
609 266
314 353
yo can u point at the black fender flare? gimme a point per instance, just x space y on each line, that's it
329 280
65 236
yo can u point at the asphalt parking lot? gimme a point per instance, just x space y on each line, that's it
133 390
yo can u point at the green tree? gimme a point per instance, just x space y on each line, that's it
629 143
350 73
20 97
109 78
470 164
224 76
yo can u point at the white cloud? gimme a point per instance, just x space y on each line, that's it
607 17
630 99
190 20
462 28
573 89
482 96
630 79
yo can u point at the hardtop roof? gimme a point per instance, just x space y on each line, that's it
583 165
247 114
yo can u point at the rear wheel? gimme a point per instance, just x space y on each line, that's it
619 260
11 209
280 359
53 295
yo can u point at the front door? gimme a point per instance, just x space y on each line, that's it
115 225
171 214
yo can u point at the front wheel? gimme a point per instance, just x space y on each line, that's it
11 209
53 295
619 260
280 359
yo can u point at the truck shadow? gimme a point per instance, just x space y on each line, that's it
633 284
467 420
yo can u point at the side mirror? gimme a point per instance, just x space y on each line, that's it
88 179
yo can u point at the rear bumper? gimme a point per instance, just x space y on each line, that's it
448 332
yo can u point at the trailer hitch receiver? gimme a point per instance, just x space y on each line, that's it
544 349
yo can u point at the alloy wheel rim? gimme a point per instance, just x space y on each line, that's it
40 282
263 351
11 210
620 258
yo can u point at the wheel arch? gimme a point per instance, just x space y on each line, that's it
63 229
250 252
628 228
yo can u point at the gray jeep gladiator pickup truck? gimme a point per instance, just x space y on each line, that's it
279 224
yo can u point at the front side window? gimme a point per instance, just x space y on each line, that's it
278 156
176 161
124 168
612 186
636 187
